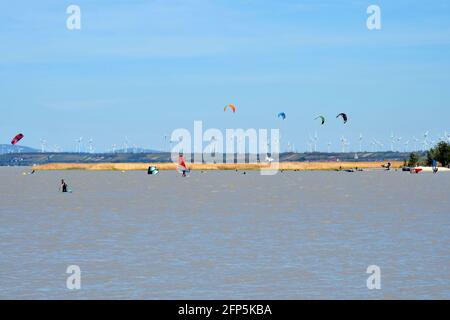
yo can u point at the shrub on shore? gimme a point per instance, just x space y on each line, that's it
440 153
413 160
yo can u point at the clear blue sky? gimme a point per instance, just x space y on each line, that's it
143 68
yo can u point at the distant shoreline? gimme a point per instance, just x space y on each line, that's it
288 166
38 158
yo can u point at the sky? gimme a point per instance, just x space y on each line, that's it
137 70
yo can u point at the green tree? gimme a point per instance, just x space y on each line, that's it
440 153
413 160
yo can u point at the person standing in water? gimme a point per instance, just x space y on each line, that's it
63 187
435 167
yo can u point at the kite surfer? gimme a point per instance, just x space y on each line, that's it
435 167
152 170
182 167
63 187
387 166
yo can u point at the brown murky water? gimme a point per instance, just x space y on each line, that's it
224 235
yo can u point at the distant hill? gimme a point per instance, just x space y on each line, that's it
8 148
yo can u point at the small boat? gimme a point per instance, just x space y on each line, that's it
431 169
415 170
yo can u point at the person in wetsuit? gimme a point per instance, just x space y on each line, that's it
63 186
435 167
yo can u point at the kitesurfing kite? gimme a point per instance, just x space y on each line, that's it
344 117
231 106
17 138
182 167
282 115
322 118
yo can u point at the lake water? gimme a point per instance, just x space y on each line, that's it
224 235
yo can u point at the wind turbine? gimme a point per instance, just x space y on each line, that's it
171 143
343 143
289 148
316 138
310 144
213 144
399 140
125 145
328 147
91 148
180 139
165 143
43 143
79 142
416 141
377 143
406 145
425 141
360 142
445 137
392 142
381 145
